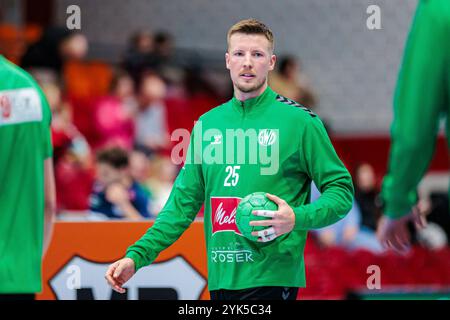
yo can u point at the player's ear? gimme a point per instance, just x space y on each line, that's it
227 60
273 60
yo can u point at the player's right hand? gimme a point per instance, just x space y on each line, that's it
120 272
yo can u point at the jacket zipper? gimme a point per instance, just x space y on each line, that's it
243 115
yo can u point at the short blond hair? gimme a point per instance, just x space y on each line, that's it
251 26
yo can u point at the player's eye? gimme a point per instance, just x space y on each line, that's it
258 54
238 54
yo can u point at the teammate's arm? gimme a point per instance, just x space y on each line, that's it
419 100
421 96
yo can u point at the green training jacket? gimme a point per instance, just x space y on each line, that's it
269 144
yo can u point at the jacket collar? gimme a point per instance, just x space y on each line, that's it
254 104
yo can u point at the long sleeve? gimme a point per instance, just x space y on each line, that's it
320 161
184 202
352 219
419 101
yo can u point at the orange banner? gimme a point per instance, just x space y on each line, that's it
80 253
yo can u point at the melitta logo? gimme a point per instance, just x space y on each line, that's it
223 215
267 137
222 218
5 107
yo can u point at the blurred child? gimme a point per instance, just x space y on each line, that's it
115 193
140 167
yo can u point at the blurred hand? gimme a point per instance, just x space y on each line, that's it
327 238
394 233
117 194
282 220
350 233
119 273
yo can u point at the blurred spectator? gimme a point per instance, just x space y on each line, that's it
366 195
114 122
140 167
289 81
56 46
347 232
433 236
197 98
439 209
65 135
140 55
154 53
201 95
169 64
71 156
115 193
151 124
164 46
163 174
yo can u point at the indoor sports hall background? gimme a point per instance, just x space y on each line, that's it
160 64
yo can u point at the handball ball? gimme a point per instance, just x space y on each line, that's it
254 201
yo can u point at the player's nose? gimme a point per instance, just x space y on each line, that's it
248 61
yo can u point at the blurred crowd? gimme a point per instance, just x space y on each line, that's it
357 230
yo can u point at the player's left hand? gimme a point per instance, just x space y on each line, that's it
282 220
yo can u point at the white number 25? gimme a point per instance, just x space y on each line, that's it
233 174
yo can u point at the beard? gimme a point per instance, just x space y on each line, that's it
252 88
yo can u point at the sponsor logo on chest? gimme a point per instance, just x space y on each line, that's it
223 214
